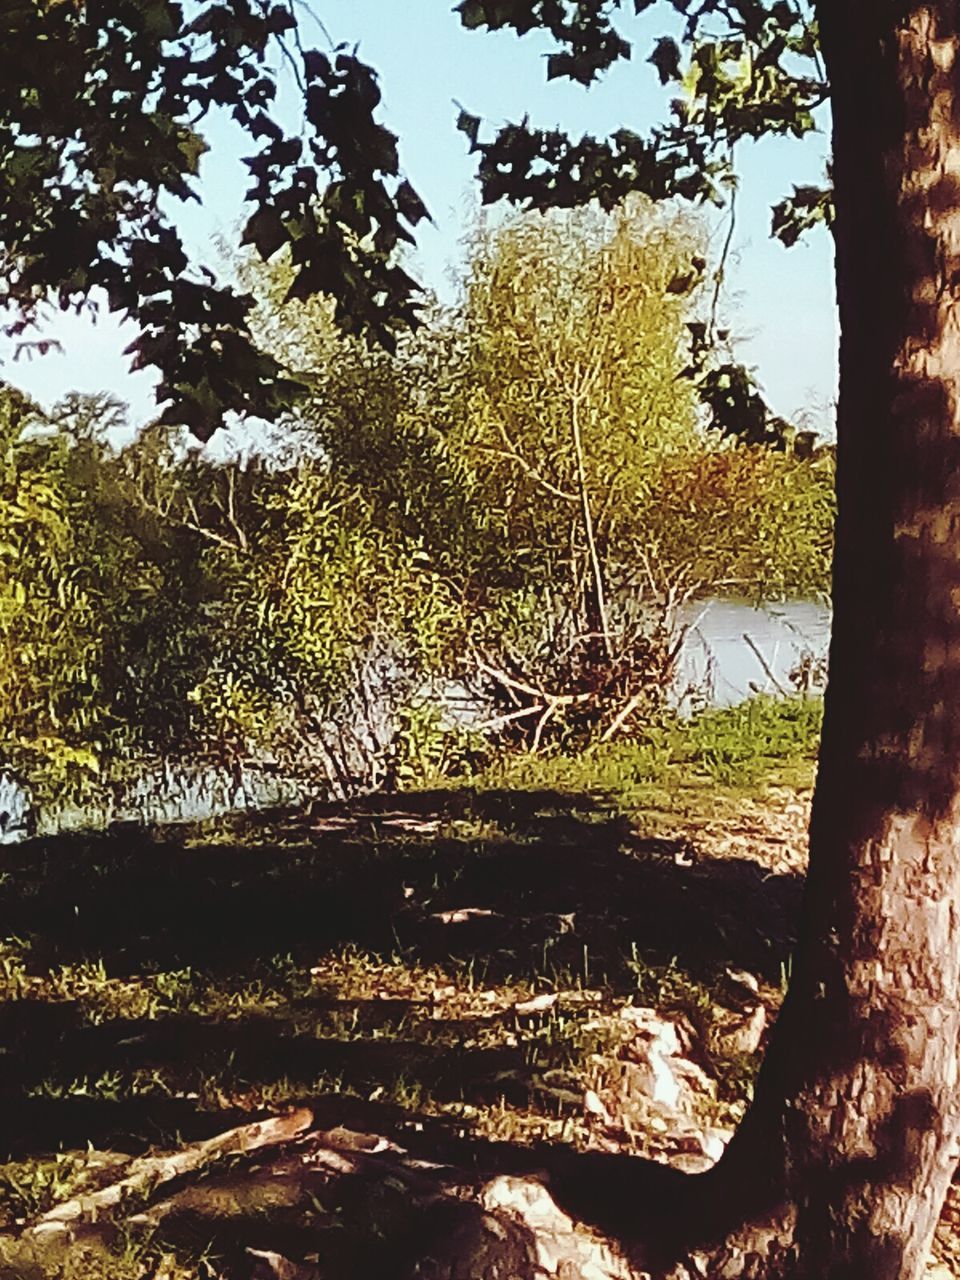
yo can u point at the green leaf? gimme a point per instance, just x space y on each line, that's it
472 14
410 205
265 230
666 59
470 125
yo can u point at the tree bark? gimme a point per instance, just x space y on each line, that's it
853 1136
841 1166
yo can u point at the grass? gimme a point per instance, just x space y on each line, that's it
158 987
685 767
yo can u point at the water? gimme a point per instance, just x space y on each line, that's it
16 815
161 792
716 656
717 665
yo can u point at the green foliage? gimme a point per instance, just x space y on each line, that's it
310 614
742 71
503 452
427 747
101 107
520 503
582 439
71 590
576 335
744 521
126 611
806 208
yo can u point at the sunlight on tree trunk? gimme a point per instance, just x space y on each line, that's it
853 1136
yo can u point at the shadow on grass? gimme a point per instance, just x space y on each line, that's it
537 890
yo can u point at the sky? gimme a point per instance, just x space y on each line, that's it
779 303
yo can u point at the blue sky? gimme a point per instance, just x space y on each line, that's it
780 302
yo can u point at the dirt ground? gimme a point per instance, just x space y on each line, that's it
460 976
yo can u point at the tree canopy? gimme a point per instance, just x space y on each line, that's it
103 108
741 70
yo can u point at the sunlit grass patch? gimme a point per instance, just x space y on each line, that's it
680 766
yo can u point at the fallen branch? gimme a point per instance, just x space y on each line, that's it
465 1227
150 1172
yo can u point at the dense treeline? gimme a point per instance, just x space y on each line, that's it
519 504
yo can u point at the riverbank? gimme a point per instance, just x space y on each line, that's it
557 956
734 655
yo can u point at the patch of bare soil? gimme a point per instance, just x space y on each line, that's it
770 830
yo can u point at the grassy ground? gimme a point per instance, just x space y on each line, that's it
686 768
160 986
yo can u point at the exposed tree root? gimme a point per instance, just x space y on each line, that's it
277 1200
145 1175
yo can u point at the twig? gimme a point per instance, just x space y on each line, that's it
596 569
721 271
621 718
511 452
766 666
542 723
498 722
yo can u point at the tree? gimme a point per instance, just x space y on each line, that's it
101 106
581 431
576 340
73 589
841 1165
307 623
536 448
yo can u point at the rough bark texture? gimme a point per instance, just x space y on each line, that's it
841 1166
856 1124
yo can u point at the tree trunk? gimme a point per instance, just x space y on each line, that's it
853 1136
842 1163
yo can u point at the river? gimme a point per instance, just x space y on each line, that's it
732 651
